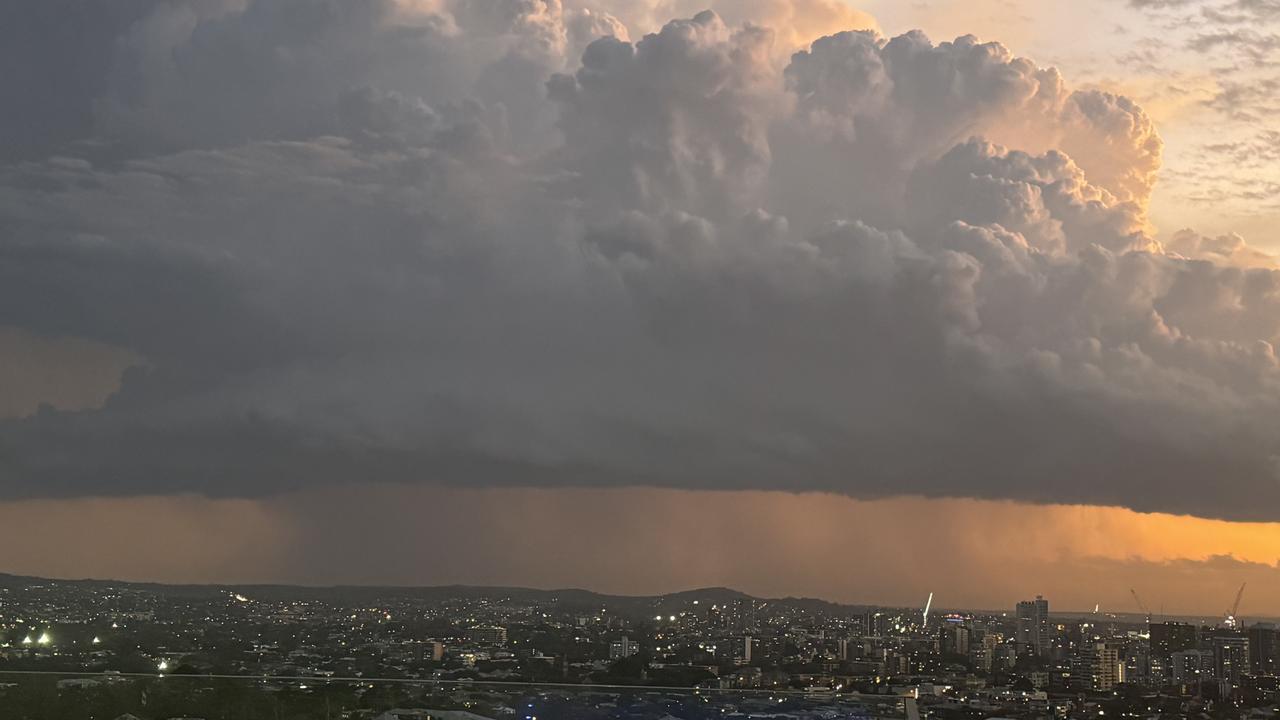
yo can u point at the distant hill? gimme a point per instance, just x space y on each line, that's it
568 598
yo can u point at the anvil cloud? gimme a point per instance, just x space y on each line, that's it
523 243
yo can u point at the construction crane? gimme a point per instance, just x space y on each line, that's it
927 604
1232 621
1141 605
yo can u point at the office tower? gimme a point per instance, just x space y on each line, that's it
1262 649
953 638
1032 634
1137 661
1231 659
1166 639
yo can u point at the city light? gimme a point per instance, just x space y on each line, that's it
746 645
495 324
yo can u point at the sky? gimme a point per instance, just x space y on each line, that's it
801 297
1204 70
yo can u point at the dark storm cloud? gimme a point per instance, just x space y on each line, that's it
56 55
444 242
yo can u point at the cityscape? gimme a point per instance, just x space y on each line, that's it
106 650
640 360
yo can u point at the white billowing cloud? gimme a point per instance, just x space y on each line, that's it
1229 249
1047 199
454 241
892 104
1114 140
796 23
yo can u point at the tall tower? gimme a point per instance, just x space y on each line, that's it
1231 660
1032 635
1167 639
1108 668
1262 649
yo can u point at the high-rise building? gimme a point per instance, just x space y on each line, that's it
492 635
1166 639
1262 649
1080 668
1230 659
1137 660
953 638
742 650
876 624
982 650
623 647
1032 634
1190 667
1108 666
742 615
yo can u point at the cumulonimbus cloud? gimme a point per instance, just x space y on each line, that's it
503 242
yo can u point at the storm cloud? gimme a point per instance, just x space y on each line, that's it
513 242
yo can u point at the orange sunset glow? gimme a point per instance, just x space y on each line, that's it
970 553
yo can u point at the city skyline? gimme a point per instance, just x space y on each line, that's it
73 646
